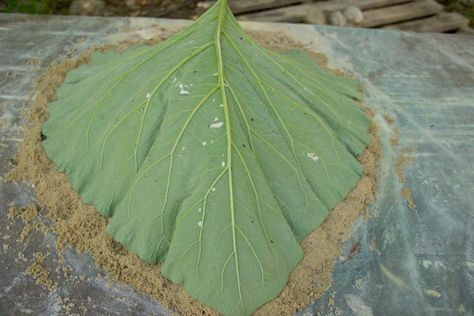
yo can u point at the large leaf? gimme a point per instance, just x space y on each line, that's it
210 154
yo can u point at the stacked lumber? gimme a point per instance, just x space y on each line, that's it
404 15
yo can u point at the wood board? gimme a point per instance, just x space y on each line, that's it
404 15
398 13
444 22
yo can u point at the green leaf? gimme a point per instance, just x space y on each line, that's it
210 154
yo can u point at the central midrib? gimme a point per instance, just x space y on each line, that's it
221 82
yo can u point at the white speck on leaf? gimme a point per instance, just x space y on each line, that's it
216 119
200 223
223 163
199 210
433 293
222 105
204 143
313 156
213 189
148 95
216 125
183 89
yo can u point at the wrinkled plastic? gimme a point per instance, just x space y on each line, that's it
416 261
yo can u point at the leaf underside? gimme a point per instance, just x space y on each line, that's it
210 154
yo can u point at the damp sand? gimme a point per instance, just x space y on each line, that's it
80 226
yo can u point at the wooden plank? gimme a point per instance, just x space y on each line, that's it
244 6
326 8
295 13
443 22
400 13
298 13
466 30
374 4
335 5
247 6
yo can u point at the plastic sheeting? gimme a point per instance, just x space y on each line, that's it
417 261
